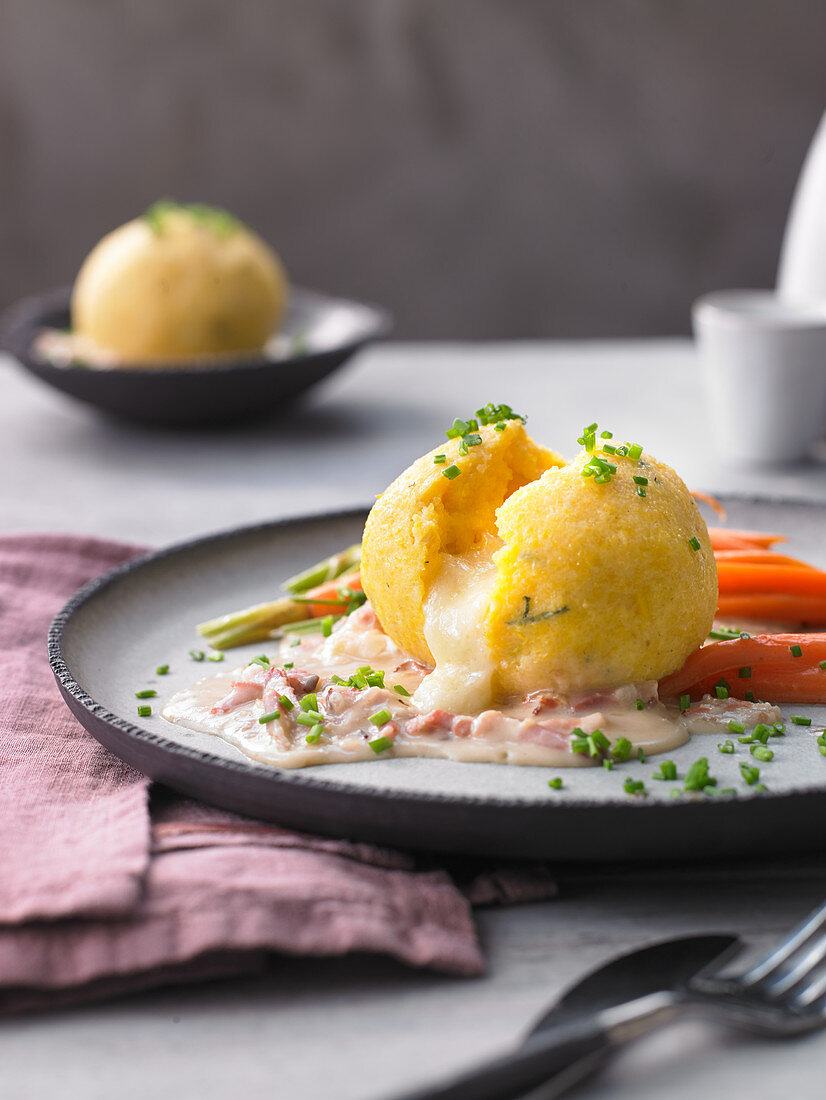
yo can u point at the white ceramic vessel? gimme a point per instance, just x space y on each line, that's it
801 275
763 366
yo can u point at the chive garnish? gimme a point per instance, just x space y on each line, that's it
196 654
622 749
668 771
555 783
401 690
694 543
641 754
744 673
608 764
380 744
685 702
439 460
697 777
327 626
262 659
634 786
144 711
314 734
216 657
286 702
721 689
749 773
146 693
796 651
727 748
308 717
822 665
288 665
634 451
271 717
762 753
381 717
736 727
639 480
640 491
162 670
639 704
750 697
310 701
451 472
801 720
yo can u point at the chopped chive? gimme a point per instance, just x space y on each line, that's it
746 739
609 448
762 788
327 626
639 480
634 451
634 786
310 701
262 659
599 742
381 717
721 691
762 732
555 783
439 460
639 704
697 777
380 744
779 728
146 693
641 754
196 654
162 670
606 435
724 634
579 744
216 657
750 697
450 473
801 720
762 753
288 664
314 734
308 717
668 771
694 543
795 651
749 773
744 673
286 702
736 727
401 690
685 702
144 711
608 764
295 642
727 748
822 664
640 491
273 716
622 749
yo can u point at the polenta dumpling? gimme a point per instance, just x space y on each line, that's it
596 585
424 516
581 585
180 283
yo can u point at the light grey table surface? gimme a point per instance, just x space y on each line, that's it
362 1029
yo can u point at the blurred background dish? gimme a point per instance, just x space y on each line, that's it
319 334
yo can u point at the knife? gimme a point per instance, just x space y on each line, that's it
608 1008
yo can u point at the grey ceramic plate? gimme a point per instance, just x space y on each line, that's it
113 634
319 335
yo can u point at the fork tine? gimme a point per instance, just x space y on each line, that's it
812 992
800 939
804 963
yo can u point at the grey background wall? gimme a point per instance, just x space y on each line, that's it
485 168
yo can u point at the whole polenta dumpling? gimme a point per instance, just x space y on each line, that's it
598 581
179 283
424 515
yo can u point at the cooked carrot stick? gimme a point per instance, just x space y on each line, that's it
327 598
722 538
736 579
773 607
767 665
760 557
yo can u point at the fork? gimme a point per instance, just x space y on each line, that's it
783 994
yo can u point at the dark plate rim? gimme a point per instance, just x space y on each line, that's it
304 777
18 320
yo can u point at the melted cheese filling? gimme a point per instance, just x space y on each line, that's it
454 615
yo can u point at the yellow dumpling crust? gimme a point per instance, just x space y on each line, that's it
596 584
423 515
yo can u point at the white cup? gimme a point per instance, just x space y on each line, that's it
763 366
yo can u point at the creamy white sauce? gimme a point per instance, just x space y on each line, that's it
534 730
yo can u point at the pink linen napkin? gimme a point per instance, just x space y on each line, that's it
104 890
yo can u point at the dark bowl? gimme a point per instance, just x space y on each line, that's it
319 335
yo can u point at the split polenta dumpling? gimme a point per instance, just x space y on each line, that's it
522 573
179 283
